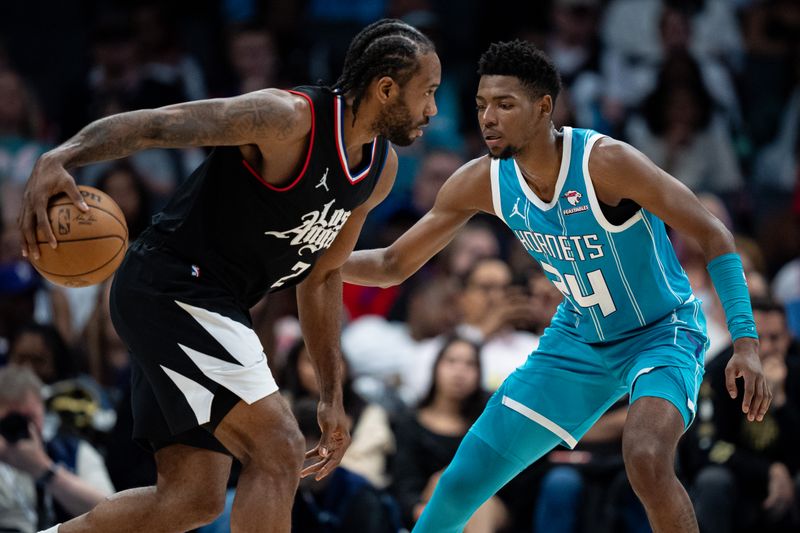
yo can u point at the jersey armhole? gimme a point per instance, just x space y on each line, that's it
494 171
590 192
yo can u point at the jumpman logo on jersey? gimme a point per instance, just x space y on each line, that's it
324 181
516 210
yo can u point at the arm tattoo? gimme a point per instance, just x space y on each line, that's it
247 119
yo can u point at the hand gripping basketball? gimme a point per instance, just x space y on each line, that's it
91 244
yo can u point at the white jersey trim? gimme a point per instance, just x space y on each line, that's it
543 421
494 172
595 205
566 156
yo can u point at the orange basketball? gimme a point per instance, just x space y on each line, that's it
91 244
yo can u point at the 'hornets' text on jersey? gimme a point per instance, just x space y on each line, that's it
615 277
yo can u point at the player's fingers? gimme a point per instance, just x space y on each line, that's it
730 381
43 224
313 452
758 398
75 195
766 403
28 227
749 391
312 469
331 463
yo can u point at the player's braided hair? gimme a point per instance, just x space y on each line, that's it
388 47
524 61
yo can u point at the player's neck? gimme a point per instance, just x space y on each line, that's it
356 133
540 161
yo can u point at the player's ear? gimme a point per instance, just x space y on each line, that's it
386 88
545 105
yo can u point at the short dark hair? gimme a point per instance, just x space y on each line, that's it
767 305
388 47
525 62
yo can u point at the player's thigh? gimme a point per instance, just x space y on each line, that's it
264 431
563 387
679 386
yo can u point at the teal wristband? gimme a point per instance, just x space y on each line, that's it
727 274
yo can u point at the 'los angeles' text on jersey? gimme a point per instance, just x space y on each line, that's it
254 237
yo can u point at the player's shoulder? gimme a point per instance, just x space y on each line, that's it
470 185
474 171
609 156
289 111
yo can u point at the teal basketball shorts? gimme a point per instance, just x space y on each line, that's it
567 384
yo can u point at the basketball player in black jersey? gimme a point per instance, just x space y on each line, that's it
280 201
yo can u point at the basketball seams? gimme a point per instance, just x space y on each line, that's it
121 248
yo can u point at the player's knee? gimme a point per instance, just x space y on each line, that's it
647 461
281 451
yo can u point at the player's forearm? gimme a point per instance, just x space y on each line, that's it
111 137
320 309
372 268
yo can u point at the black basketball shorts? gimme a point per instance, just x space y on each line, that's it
194 354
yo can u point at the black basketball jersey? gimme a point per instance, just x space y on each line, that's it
254 237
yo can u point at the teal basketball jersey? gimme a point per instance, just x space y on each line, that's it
615 278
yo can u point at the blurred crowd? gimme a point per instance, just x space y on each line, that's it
708 89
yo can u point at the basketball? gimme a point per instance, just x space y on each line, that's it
91 244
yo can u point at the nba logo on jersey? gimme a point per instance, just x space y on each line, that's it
195 271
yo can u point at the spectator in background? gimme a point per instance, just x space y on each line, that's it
427 440
128 189
160 54
118 81
587 489
73 477
253 57
42 349
342 502
21 144
372 438
385 355
680 131
772 68
437 166
108 357
745 475
475 241
493 314
640 34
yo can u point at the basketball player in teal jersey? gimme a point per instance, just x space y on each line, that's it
591 210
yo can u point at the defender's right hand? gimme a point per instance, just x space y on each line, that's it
49 178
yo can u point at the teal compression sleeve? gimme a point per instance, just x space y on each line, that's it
727 274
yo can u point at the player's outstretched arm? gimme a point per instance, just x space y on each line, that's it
620 171
268 116
319 301
465 193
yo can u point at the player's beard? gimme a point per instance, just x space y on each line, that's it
395 123
507 153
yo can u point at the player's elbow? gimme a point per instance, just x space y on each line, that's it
719 240
395 272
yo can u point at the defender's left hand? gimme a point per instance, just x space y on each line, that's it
745 364
335 425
